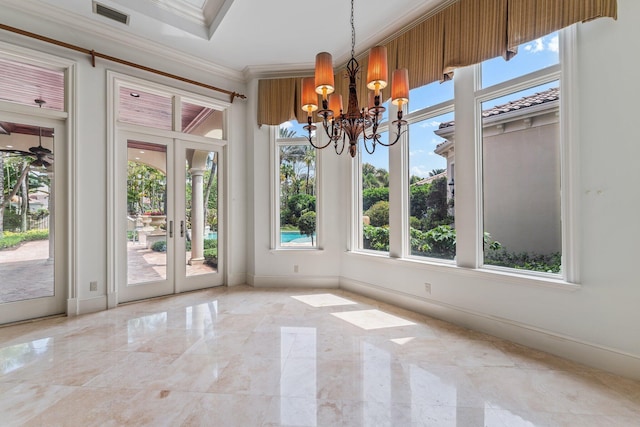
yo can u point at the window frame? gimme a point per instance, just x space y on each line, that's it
469 225
275 143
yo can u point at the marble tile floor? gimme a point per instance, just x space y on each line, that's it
290 357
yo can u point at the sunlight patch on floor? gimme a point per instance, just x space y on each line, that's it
372 319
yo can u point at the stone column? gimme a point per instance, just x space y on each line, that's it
197 217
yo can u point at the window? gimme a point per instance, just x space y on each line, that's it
201 120
374 180
296 210
35 82
431 213
521 167
511 149
431 225
145 108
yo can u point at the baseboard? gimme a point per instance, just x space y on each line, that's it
91 305
594 355
72 307
293 281
236 279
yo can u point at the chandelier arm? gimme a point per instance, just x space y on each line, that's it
309 128
373 144
319 147
376 139
343 145
336 130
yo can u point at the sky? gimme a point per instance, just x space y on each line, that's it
531 56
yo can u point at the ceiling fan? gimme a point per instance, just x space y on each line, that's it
42 156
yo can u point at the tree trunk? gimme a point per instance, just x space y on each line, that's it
1 195
207 190
24 205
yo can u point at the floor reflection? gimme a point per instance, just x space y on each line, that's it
273 357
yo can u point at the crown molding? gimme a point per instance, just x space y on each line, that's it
38 10
278 71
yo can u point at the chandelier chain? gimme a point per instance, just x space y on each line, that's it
353 34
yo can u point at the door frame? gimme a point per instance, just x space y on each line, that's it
57 304
115 81
173 283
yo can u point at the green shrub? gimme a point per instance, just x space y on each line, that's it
376 238
371 196
12 221
307 224
160 246
546 263
297 205
11 239
32 235
379 214
211 257
210 244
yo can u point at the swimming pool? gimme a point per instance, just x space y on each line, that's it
285 237
294 237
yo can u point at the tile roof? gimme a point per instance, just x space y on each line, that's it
538 98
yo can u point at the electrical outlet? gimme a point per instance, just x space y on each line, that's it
93 286
295 268
427 287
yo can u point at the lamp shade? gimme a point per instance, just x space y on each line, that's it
377 75
335 103
309 95
324 84
400 87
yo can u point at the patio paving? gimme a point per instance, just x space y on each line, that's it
26 272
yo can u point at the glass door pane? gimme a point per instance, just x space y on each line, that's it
31 283
146 212
198 231
149 225
201 212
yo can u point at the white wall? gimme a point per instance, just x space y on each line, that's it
92 145
276 267
598 324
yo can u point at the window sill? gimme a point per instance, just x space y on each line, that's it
296 249
447 267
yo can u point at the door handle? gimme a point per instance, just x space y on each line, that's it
181 228
170 228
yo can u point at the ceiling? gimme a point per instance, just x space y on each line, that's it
245 37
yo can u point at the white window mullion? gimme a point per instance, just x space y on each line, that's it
468 180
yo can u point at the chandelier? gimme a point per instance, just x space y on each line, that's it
339 125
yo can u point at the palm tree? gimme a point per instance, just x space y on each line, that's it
213 164
284 133
309 158
435 172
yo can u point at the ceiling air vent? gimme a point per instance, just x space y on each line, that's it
110 13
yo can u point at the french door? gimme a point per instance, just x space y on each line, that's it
33 242
169 212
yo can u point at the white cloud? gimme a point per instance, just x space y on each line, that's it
432 124
416 152
420 171
553 45
535 46
286 125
